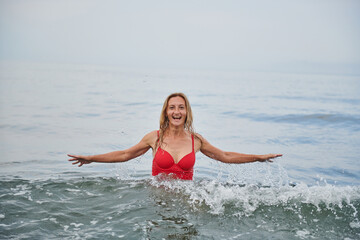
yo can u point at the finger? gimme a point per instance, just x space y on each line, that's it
275 155
74 163
75 156
72 157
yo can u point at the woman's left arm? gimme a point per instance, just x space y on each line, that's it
232 157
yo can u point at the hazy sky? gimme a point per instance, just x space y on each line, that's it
289 35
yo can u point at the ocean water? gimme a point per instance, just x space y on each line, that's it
49 110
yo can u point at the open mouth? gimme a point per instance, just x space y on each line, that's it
176 117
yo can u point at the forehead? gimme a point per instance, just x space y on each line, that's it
176 101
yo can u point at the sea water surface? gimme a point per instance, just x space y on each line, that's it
49 110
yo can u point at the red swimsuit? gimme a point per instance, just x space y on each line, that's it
164 163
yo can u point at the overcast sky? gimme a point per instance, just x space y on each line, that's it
299 36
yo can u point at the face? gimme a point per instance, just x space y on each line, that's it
176 111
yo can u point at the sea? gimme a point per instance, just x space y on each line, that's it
50 110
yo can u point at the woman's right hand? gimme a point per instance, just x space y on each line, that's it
79 159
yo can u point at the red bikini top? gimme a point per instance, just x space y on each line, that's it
163 162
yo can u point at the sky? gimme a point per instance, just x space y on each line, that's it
312 36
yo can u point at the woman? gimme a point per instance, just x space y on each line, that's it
174 145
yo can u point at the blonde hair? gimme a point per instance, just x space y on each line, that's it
164 121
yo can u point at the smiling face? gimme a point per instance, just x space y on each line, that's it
176 111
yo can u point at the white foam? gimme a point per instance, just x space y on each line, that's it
249 197
355 224
76 225
302 234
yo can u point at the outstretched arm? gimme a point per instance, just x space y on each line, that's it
117 156
232 157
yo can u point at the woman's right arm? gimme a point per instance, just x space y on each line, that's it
142 147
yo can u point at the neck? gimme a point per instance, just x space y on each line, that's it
175 130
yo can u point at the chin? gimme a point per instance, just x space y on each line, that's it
177 124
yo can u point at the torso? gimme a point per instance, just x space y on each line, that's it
176 155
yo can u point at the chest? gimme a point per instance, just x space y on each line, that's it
177 148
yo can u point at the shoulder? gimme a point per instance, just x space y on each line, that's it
203 143
199 141
199 137
153 135
150 138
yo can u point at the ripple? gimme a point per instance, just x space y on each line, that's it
314 119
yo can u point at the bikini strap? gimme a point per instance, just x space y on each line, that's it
192 137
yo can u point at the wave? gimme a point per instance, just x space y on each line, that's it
211 193
157 207
318 118
249 198
329 211
343 120
350 101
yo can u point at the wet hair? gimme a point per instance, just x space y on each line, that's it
164 121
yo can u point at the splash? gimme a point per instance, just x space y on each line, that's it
220 198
